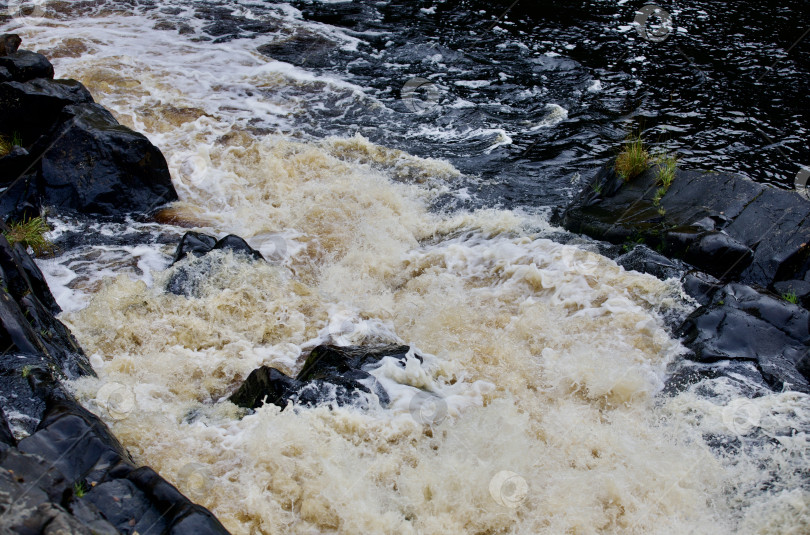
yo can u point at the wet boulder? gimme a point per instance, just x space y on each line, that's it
725 225
9 43
30 109
98 166
24 65
194 265
79 158
195 243
331 374
644 260
199 244
743 324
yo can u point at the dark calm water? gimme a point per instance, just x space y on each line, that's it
726 89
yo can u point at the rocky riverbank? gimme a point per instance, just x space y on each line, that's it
61 469
740 249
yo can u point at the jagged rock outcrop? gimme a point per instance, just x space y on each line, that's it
738 248
72 154
725 225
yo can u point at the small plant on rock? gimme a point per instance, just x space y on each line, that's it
667 164
790 297
30 233
6 145
79 490
633 159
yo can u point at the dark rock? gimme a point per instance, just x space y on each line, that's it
777 225
744 375
265 385
96 165
719 254
31 109
27 324
14 165
21 200
799 288
645 260
72 449
25 65
237 245
9 43
5 431
5 75
195 243
725 225
331 374
126 507
303 49
190 275
743 324
700 286
181 516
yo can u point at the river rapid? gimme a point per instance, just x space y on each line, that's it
539 405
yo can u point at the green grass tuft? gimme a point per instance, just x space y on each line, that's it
667 164
633 159
790 297
30 233
79 490
6 145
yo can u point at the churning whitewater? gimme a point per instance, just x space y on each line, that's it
544 363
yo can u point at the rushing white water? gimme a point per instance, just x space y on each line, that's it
537 408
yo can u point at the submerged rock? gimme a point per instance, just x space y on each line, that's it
331 374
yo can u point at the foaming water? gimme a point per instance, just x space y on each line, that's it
543 364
